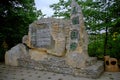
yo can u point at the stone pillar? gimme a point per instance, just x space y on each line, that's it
77 51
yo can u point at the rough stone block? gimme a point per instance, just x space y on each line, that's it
19 51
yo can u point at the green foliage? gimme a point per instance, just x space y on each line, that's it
99 15
113 47
15 17
93 12
96 45
62 9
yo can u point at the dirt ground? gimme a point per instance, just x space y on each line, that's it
18 73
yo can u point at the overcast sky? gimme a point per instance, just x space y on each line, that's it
43 5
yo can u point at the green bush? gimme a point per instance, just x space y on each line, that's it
113 48
96 49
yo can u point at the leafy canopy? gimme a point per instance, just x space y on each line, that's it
102 19
15 17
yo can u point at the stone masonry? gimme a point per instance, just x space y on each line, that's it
57 45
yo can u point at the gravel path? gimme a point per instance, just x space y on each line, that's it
18 73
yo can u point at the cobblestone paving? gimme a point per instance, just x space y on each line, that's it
18 73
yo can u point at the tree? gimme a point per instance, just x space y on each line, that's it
62 9
90 9
15 17
99 16
114 31
115 14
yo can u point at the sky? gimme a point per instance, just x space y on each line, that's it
43 5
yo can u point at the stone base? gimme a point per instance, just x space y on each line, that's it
22 56
58 65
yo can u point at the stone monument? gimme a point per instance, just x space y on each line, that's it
57 45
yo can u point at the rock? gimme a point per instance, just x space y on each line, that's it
40 36
57 45
76 60
11 56
25 39
49 34
59 40
78 41
38 55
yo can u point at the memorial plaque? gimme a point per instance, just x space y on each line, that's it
73 46
41 37
75 20
74 10
74 34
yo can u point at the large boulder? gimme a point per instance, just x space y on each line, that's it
12 56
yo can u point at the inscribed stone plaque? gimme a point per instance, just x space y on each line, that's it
42 37
73 46
74 34
74 10
75 20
